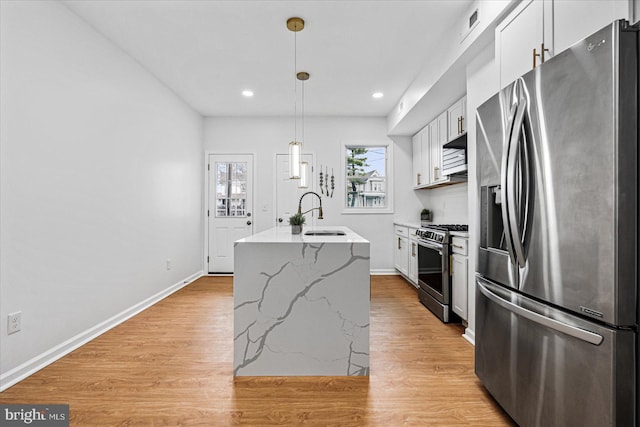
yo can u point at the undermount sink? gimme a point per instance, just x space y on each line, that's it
324 233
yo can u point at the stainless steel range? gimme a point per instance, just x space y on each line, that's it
434 269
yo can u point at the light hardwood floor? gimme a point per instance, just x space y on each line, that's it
172 365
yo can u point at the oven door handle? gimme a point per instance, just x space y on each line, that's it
430 246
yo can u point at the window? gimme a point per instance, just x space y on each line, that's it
367 173
231 189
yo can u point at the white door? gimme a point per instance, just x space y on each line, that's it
230 207
288 191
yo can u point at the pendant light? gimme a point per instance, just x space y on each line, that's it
295 24
303 76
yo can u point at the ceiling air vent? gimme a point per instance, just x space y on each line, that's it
470 24
473 18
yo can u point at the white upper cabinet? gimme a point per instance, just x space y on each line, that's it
438 139
575 20
435 165
457 120
422 158
418 172
522 38
428 147
537 29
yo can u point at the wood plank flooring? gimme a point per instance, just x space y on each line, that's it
172 365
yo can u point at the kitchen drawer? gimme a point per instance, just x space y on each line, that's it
402 231
412 233
459 245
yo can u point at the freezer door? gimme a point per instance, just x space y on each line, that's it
557 165
548 368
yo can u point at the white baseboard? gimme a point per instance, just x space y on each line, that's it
383 271
44 359
470 336
373 272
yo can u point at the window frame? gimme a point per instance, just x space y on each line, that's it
388 208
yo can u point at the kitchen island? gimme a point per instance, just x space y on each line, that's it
301 304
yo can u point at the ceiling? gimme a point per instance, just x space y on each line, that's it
208 52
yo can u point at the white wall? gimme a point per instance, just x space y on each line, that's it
409 202
324 136
441 80
101 183
483 81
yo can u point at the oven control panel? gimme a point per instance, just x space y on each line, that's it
431 235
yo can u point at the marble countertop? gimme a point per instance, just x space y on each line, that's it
407 224
283 235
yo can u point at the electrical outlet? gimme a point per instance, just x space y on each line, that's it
168 264
14 322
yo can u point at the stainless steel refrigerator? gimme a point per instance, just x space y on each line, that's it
556 282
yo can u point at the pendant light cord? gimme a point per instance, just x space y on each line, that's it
295 86
302 137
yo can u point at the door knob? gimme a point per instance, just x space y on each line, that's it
248 222
249 214
279 219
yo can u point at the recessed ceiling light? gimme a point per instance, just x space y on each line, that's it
247 93
378 95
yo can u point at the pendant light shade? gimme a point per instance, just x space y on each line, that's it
295 159
304 175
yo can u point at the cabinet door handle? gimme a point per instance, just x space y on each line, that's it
542 51
461 124
418 178
435 173
534 57
399 243
458 125
413 249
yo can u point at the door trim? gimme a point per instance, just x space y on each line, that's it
206 198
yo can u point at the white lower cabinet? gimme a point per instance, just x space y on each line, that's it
405 254
459 268
459 274
401 252
413 261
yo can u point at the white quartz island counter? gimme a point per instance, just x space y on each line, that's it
301 304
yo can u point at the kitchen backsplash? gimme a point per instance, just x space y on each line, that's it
448 204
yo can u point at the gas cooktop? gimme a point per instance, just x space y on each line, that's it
439 232
448 227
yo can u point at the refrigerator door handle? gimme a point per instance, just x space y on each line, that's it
581 334
514 203
505 171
